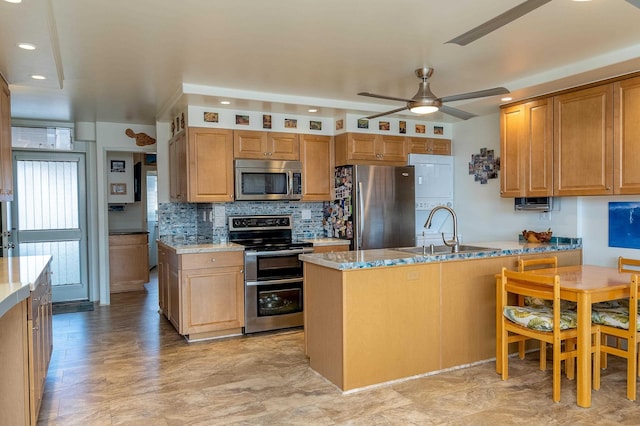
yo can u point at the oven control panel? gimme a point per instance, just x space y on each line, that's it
259 222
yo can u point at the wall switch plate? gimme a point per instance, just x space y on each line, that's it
306 214
219 211
219 221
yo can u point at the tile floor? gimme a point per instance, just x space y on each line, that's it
124 364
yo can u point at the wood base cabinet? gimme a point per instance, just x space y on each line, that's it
40 324
204 292
128 262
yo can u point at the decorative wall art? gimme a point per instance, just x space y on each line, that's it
150 159
242 120
117 166
420 128
339 124
142 139
290 123
211 117
484 166
118 189
624 224
266 121
384 125
315 125
438 130
402 127
363 123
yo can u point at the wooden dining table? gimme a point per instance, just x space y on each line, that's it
585 285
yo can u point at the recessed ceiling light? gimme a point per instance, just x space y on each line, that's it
38 77
26 46
505 99
13 1
313 110
225 102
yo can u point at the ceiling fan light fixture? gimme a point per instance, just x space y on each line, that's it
423 109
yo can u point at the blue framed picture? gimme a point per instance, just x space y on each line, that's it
624 224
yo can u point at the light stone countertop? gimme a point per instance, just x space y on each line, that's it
359 259
326 241
18 276
190 248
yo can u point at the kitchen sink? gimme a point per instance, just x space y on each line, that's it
442 249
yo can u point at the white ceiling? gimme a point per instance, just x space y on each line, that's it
132 61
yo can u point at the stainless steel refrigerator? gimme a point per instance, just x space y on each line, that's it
374 207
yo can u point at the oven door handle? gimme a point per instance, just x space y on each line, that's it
279 252
271 282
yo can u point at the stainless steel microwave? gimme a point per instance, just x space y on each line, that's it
257 180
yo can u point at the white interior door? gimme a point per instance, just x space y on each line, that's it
49 217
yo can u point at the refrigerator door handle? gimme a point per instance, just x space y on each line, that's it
360 218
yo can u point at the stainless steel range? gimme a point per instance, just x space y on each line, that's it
273 273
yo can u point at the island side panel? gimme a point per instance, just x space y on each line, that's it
391 326
323 327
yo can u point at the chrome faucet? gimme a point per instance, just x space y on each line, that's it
453 243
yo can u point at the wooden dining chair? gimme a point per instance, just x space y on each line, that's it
525 265
621 323
550 324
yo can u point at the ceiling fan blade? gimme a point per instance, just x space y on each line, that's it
500 20
636 3
386 113
458 113
478 94
391 98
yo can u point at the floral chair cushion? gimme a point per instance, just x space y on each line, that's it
613 316
540 317
535 301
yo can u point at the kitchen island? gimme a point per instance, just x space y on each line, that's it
377 316
25 336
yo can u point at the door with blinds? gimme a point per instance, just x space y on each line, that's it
49 217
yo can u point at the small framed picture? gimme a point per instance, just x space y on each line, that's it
182 120
118 189
339 124
242 120
438 130
384 125
266 121
290 123
117 166
150 159
402 127
420 128
363 123
315 125
211 117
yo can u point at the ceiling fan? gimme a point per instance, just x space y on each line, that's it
504 18
425 102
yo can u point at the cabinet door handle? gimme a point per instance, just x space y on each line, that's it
213 259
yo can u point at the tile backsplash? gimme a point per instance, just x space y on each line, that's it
207 222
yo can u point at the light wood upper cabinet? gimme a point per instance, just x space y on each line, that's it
367 148
526 145
201 165
317 157
511 151
583 142
6 162
178 167
626 135
431 146
265 145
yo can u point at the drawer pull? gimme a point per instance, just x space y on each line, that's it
213 259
